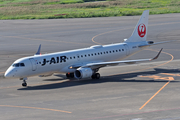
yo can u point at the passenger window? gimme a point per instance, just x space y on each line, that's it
95 53
113 50
85 55
70 57
119 50
88 54
122 49
74 57
81 55
92 54
116 50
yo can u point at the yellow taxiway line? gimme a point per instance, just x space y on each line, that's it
35 108
154 96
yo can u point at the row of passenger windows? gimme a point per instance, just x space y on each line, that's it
99 53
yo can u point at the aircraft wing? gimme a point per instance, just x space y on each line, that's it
112 63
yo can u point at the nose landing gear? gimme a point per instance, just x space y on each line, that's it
24 84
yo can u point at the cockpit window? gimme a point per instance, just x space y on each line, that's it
18 65
21 64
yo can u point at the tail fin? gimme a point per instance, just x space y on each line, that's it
140 32
39 50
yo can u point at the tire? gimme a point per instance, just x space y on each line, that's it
93 76
97 76
70 75
24 84
67 75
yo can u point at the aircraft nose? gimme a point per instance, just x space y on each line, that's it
9 74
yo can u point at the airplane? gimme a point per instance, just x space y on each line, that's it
83 63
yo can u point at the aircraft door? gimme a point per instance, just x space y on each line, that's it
127 49
33 63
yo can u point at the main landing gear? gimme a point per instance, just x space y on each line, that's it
70 75
95 76
24 84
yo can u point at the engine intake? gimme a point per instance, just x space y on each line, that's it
81 73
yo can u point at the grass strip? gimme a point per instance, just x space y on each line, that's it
55 9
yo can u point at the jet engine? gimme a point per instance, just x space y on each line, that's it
81 73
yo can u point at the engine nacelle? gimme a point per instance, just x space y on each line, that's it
81 73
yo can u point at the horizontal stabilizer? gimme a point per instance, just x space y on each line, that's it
145 45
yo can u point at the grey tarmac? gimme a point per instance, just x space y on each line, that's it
145 91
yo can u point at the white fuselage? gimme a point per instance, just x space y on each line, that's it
61 62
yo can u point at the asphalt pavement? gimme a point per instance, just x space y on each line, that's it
145 91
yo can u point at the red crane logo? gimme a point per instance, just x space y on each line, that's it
142 30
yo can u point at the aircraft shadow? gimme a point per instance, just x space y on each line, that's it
61 77
114 78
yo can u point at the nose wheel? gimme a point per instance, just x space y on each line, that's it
24 84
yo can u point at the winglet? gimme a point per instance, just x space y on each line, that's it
157 54
39 50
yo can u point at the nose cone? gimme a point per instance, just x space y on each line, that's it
9 73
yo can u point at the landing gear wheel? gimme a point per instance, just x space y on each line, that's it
95 76
24 84
70 75
67 75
